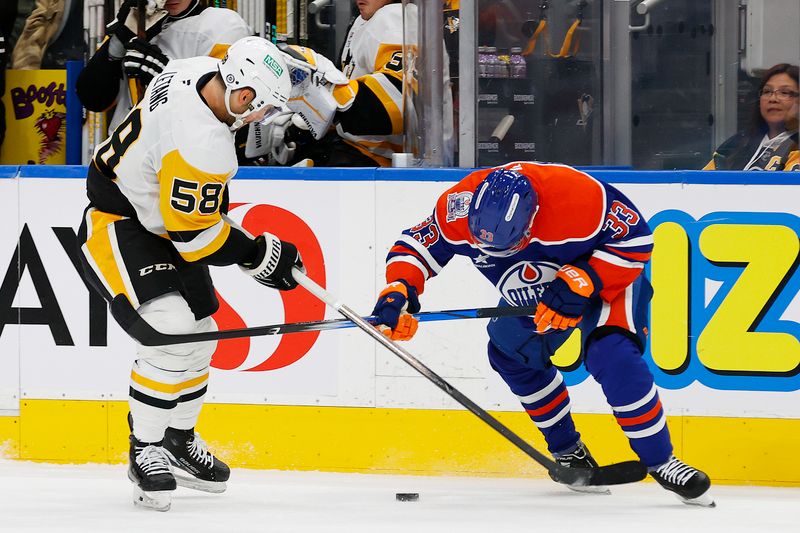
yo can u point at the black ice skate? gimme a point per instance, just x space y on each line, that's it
581 458
149 470
689 484
196 467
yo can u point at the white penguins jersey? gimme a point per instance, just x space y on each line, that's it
171 158
208 33
373 55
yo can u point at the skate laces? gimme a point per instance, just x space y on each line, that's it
152 460
676 472
199 451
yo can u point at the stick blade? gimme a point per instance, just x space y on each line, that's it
613 474
619 473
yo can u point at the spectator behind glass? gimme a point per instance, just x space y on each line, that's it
771 141
177 29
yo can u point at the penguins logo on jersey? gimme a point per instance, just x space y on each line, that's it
523 283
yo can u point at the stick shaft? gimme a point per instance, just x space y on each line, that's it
136 87
145 334
305 282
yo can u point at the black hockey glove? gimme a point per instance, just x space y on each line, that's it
126 24
143 61
273 265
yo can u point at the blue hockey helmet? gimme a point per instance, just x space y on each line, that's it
501 213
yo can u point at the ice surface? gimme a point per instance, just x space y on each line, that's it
88 498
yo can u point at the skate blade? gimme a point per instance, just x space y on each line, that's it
153 500
590 489
704 500
188 481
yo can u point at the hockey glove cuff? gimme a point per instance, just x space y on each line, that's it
125 26
395 302
319 90
268 138
274 263
143 61
565 299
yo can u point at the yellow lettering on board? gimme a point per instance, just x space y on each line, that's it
726 345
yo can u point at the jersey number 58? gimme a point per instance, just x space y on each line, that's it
184 196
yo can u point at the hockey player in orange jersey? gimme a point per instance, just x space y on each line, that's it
552 237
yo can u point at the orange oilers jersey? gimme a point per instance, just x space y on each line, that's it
168 163
579 219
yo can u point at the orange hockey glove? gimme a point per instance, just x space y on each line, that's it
392 309
565 299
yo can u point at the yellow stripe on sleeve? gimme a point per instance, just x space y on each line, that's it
210 248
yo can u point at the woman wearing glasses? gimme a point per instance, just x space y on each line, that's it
771 142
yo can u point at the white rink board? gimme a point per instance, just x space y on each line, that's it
355 223
9 340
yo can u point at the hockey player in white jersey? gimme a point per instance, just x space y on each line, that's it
176 29
158 195
356 116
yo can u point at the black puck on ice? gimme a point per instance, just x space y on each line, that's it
407 496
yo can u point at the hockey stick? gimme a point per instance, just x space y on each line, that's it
138 328
136 86
614 474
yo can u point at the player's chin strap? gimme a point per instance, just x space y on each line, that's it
238 118
615 474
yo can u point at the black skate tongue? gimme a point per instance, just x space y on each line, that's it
613 474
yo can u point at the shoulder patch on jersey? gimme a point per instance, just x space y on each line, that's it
458 205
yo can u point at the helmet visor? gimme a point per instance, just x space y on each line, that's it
503 252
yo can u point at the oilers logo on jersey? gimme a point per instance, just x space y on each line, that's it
524 282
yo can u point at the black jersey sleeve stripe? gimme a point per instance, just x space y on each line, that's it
184 236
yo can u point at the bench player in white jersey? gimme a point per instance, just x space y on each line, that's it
356 117
158 195
176 29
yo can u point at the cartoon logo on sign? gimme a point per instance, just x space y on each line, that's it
299 305
50 126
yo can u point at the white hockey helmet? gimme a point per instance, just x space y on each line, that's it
257 64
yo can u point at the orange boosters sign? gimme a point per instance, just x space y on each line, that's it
579 281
